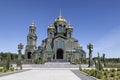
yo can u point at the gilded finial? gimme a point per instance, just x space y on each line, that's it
60 13
50 22
68 22
33 22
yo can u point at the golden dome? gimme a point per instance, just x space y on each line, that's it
60 19
69 26
51 27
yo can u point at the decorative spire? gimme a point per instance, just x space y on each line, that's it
51 26
60 13
68 22
60 18
32 25
33 22
69 25
50 22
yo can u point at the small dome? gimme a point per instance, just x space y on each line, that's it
51 26
60 19
69 26
32 25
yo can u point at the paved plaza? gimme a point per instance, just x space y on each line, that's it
48 71
39 74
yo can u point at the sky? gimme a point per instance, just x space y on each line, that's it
93 21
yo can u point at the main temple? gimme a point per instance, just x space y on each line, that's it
58 46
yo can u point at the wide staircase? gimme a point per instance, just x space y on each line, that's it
50 65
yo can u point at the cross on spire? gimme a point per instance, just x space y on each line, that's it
33 22
60 13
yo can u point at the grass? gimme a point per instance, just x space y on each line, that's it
112 66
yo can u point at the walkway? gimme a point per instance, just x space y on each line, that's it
48 71
46 74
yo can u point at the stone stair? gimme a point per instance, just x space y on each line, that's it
51 65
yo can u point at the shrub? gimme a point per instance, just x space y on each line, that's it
117 74
92 72
1 70
105 69
105 73
99 76
36 61
118 69
112 70
112 75
12 69
4 70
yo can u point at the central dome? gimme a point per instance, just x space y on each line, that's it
60 19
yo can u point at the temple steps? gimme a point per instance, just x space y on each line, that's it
51 65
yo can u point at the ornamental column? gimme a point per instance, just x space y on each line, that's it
90 47
20 47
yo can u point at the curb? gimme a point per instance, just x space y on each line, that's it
89 75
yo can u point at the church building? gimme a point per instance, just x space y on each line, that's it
58 46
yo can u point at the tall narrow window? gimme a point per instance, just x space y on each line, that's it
60 44
60 29
50 35
30 43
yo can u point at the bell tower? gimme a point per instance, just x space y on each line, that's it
31 41
51 31
69 31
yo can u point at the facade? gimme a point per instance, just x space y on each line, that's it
58 46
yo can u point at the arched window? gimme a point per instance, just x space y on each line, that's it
60 29
50 35
60 43
69 35
69 44
30 41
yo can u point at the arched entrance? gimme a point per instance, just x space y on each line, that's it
29 55
59 54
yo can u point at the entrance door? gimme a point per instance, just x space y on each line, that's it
60 54
29 55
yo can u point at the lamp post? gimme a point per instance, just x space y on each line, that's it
90 47
20 47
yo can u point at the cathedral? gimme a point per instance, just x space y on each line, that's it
58 46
